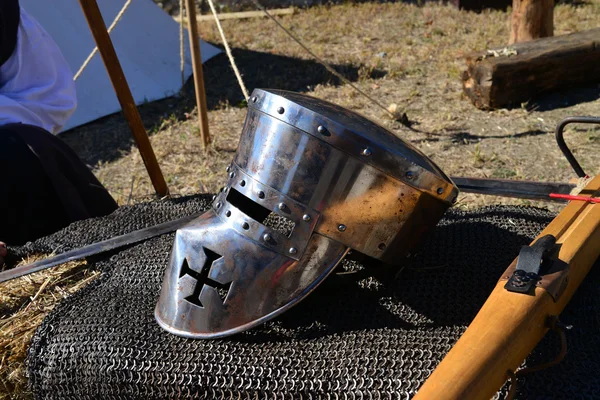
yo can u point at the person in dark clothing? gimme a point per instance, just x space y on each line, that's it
44 186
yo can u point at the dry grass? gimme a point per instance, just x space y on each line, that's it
399 53
23 305
187 167
403 54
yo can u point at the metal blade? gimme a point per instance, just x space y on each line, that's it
496 187
97 248
508 188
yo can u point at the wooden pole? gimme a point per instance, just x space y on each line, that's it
198 72
117 78
239 15
531 19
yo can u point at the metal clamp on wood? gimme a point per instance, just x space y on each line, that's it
529 263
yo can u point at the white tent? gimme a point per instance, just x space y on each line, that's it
146 40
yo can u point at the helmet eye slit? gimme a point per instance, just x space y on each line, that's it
260 214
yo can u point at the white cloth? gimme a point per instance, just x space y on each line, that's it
36 83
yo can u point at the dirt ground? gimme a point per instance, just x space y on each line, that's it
398 53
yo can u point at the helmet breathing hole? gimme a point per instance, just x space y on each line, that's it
263 215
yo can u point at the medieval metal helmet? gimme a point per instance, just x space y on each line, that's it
310 181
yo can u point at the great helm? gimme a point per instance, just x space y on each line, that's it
310 180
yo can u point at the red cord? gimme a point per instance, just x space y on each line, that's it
570 197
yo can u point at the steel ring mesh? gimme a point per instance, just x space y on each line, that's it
372 332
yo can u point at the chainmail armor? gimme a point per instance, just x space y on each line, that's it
368 332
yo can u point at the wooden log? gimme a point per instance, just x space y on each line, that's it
198 72
509 325
509 76
243 14
117 78
531 19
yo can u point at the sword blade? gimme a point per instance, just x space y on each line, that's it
97 248
508 188
496 187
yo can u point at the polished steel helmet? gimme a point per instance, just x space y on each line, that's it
310 180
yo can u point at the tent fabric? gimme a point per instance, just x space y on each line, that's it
146 40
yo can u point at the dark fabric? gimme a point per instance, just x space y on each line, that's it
10 16
44 185
371 333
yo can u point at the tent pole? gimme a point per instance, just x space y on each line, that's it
117 77
198 72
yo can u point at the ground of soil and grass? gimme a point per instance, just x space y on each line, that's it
406 56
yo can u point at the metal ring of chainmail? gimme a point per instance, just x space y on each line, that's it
368 332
